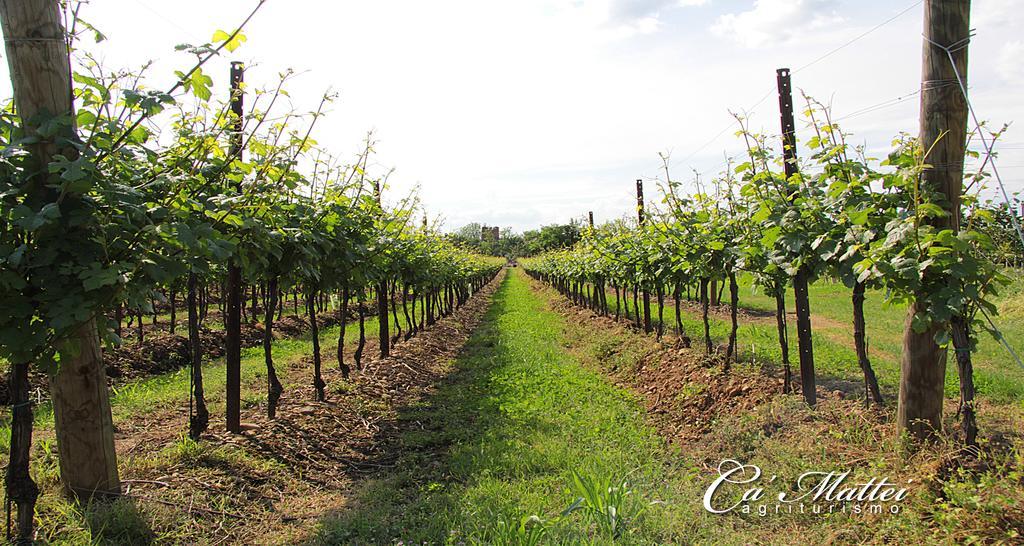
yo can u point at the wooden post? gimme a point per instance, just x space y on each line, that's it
37 57
800 280
943 130
590 217
233 321
81 409
641 219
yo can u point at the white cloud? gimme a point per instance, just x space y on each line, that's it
1008 63
994 13
776 21
643 16
630 10
646 25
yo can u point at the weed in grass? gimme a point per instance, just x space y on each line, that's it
340 387
603 501
118 522
253 400
691 390
527 531
188 452
983 502
46 459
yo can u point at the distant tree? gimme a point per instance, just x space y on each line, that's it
468 235
514 245
551 237
509 246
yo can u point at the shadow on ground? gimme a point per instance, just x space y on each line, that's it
438 448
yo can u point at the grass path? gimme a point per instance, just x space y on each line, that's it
501 439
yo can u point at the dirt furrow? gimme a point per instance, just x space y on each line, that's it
275 480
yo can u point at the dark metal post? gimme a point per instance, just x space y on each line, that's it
233 321
640 201
641 220
382 300
800 282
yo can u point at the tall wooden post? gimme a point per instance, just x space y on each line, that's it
37 57
641 221
81 410
382 300
943 130
800 280
233 321
590 218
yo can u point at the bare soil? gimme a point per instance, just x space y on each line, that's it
684 390
273 482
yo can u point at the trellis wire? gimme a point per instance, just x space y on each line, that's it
802 67
1002 339
950 49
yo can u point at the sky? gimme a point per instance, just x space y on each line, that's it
531 112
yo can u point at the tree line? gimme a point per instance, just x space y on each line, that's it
512 245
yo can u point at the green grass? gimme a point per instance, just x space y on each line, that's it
997 376
501 440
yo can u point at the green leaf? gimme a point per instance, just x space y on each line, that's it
198 83
932 210
858 217
97 277
919 323
231 43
